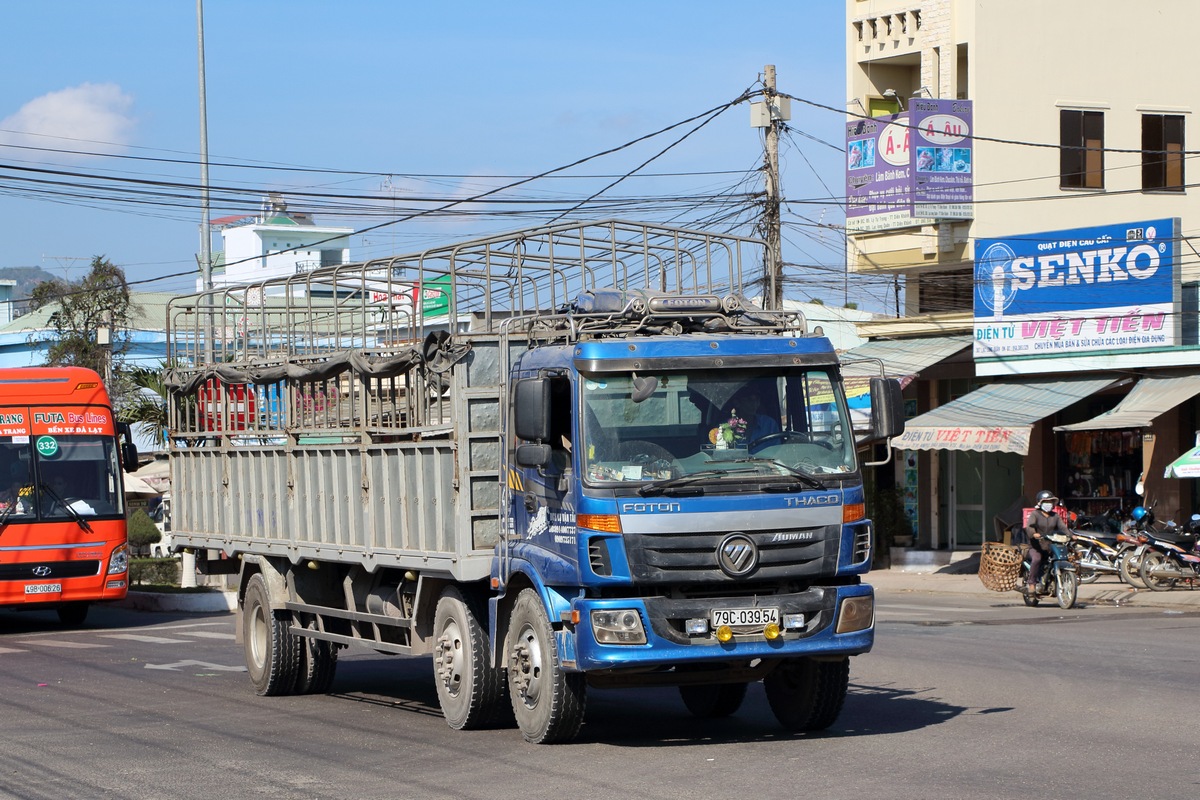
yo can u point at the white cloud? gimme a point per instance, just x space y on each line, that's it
91 116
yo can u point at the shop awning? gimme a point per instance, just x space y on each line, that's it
994 418
902 358
1150 397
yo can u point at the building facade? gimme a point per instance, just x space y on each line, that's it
1028 185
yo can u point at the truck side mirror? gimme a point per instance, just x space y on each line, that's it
531 409
887 409
129 451
533 455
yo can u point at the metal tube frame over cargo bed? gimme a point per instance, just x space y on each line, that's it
352 414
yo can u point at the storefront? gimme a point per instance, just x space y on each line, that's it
1093 385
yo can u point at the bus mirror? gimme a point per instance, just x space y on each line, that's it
531 409
887 409
129 451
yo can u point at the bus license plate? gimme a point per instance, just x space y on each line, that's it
744 617
43 588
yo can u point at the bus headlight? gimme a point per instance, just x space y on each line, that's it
618 626
119 560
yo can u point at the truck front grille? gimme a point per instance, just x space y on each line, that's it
48 570
681 558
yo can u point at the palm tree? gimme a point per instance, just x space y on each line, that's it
146 401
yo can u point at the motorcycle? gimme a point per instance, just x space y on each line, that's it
1059 577
1171 556
1098 553
1136 532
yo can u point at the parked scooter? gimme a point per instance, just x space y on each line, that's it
1098 553
1170 556
1059 577
1136 533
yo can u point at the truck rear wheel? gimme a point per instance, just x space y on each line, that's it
548 702
273 655
807 695
713 701
318 665
470 690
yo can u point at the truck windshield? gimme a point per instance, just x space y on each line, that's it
718 423
79 476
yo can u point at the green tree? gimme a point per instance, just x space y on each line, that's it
142 532
99 299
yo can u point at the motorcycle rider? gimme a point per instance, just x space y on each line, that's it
1042 520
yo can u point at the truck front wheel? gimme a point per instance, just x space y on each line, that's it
273 655
807 695
470 691
548 702
713 701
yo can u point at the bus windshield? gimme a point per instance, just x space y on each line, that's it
80 476
783 423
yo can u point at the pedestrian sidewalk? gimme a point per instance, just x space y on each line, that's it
962 578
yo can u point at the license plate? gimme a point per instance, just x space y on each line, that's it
744 617
43 588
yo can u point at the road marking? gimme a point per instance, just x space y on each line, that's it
209 634
11 650
137 637
59 643
191 663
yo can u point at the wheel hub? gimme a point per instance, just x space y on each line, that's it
448 658
525 668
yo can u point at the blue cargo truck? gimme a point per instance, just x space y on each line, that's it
555 460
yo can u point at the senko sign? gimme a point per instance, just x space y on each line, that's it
1110 288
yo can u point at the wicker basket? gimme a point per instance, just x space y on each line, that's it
1000 566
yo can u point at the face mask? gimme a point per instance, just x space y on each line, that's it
1047 507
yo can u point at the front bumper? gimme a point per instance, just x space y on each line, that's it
668 644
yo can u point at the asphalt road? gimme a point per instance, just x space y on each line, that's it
963 697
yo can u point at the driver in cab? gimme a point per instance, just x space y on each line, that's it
746 407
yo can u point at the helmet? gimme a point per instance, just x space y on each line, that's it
1137 513
1045 495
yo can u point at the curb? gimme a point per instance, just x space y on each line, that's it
193 602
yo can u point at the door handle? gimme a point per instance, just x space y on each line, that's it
530 503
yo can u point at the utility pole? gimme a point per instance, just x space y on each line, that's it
771 114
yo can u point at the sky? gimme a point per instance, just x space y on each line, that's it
367 112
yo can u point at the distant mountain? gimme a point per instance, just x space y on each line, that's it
26 278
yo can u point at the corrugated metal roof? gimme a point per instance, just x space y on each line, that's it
1150 397
994 418
149 314
902 358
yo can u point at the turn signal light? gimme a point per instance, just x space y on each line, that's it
853 512
606 523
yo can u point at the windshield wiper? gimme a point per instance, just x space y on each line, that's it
684 481
804 476
72 512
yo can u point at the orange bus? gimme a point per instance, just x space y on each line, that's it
62 499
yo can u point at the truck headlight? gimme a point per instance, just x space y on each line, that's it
618 626
856 614
119 560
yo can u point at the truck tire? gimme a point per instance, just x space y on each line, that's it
807 695
713 701
318 666
470 691
548 702
273 655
